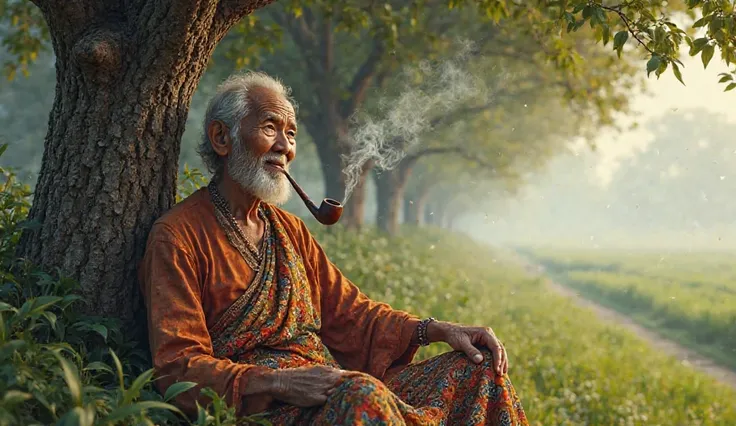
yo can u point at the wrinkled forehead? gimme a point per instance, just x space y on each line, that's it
267 104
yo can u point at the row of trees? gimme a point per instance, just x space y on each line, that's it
127 70
364 62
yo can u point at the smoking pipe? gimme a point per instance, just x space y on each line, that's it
329 211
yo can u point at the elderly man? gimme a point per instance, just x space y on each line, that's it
242 299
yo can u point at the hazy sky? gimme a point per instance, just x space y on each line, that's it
554 208
702 90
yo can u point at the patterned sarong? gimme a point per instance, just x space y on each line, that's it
274 324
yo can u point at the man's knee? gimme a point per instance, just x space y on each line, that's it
487 358
487 363
363 389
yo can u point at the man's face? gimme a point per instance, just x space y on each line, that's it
264 145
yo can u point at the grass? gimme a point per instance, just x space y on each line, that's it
569 368
687 297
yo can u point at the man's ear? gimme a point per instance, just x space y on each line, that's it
219 136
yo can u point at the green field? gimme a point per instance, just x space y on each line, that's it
688 297
569 368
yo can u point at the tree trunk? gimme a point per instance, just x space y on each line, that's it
415 207
429 217
451 220
109 167
437 214
354 215
390 186
330 156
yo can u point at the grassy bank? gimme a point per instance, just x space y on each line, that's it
570 368
688 297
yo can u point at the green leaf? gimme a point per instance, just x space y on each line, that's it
135 388
78 416
7 307
730 87
13 397
100 329
707 54
176 389
71 376
41 303
587 12
138 408
605 33
653 64
725 78
678 74
3 147
12 346
600 14
98 366
619 40
698 45
51 317
708 7
119 368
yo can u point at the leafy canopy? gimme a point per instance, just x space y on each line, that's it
708 26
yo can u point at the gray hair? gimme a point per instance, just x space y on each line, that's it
230 104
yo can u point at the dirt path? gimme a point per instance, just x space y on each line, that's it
682 353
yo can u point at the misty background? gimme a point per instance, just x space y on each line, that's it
665 182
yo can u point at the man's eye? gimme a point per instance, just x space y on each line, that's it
292 134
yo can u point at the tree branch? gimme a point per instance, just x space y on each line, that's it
302 36
328 47
627 22
309 19
411 159
459 151
362 80
457 114
231 11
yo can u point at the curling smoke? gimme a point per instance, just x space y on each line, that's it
403 119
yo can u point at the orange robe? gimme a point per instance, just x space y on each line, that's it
191 275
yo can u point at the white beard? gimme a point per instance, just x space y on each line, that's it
251 174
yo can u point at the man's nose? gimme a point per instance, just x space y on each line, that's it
283 146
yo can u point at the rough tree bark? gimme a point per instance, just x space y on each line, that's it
126 72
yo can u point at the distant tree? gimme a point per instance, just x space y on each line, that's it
684 180
519 118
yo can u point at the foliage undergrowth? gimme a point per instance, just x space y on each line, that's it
60 367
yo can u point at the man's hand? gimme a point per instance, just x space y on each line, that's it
463 338
305 386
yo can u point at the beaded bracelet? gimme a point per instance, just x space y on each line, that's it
422 331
